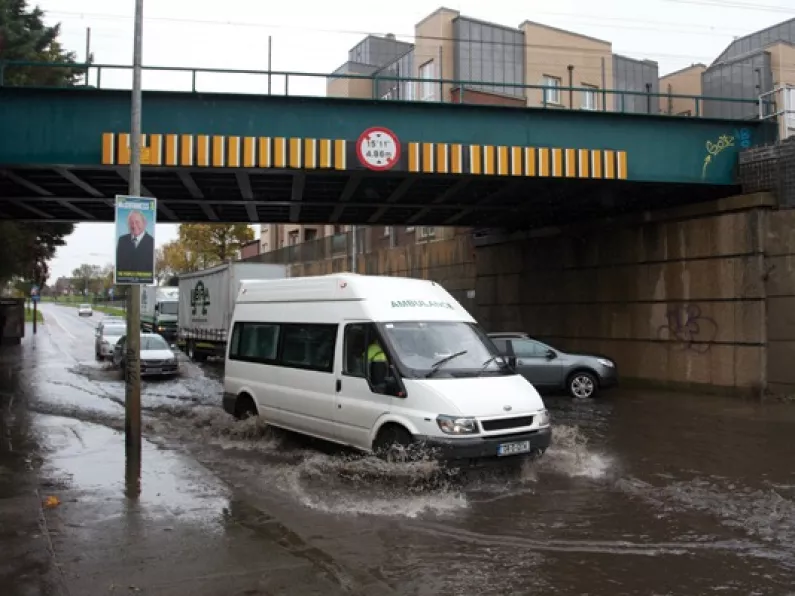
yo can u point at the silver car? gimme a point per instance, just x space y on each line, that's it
547 368
106 337
157 356
85 310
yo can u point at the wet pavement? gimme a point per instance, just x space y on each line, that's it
642 493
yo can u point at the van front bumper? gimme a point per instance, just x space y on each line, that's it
477 450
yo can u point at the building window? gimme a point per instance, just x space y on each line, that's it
427 232
408 91
589 97
310 235
428 84
551 89
292 238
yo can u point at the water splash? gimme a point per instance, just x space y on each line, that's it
569 455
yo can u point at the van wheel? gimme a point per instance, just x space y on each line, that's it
583 385
393 443
244 407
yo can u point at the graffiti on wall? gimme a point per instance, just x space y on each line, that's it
687 329
739 138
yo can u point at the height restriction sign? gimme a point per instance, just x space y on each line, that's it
378 148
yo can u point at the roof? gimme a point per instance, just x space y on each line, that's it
685 69
337 286
744 37
550 27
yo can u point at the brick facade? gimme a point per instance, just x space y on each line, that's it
770 168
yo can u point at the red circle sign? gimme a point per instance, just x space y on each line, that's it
378 148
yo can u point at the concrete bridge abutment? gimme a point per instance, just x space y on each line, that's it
699 297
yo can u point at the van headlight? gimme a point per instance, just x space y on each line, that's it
455 425
605 362
543 418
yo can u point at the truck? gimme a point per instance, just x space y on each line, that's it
159 306
207 301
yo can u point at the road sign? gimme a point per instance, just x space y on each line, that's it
378 148
34 293
135 240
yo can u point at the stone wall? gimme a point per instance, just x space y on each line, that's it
779 278
770 168
449 262
676 297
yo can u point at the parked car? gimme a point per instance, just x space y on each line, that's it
108 333
85 310
157 356
548 368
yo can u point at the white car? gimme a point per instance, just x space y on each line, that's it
85 310
157 356
107 336
380 364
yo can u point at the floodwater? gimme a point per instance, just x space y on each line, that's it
642 492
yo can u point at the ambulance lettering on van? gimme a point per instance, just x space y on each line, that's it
330 357
421 303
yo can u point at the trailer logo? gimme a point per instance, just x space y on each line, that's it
199 297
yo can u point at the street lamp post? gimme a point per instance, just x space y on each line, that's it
132 392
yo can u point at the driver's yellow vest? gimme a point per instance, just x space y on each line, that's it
375 353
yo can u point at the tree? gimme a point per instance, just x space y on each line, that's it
87 278
174 258
215 243
26 247
25 37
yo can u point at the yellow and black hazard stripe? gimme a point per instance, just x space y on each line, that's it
219 151
503 160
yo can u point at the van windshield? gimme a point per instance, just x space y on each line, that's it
421 345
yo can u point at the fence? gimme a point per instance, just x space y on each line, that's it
369 86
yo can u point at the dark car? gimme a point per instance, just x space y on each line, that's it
581 375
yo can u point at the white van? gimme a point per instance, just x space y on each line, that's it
297 358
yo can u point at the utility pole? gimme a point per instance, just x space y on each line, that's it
132 390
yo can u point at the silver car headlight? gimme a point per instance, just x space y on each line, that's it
605 362
543 418
457 425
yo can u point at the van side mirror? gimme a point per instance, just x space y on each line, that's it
551 354
510 359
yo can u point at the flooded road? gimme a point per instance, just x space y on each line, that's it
642 492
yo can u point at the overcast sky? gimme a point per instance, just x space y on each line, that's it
315 36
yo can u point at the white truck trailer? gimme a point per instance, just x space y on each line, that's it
207 301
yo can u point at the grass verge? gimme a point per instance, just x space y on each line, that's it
29 316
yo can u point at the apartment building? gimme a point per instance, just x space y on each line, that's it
748 67
484 63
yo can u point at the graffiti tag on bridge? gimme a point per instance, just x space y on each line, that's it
686 329
741 136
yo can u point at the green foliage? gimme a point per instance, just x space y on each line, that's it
25 37
25 248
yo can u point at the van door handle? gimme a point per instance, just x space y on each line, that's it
339 385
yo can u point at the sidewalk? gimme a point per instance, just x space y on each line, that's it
185 535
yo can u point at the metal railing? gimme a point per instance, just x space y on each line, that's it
270 82
779 105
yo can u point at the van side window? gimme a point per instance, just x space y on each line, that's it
356 335
308 346
254 342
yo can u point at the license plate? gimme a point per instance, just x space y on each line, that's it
513 448
154 371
